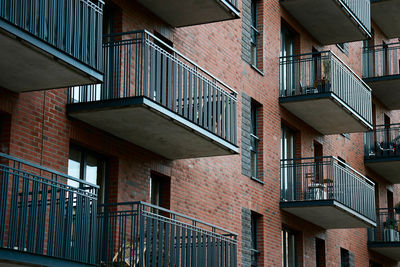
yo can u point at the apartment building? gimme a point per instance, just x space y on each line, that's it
199 133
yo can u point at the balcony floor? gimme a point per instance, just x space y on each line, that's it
326 113
386 90
388 249
326 20
328 214
388 168
181 13
145 123
28 63
386 15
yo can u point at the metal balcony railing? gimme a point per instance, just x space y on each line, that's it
381 60
382 142
361 10
327 178
388 226
139 64
140 234
72 26
45 212
324 72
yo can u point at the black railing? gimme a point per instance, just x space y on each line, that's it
139 64
388 227
45 212
140 234
382 142
327 178
324 72
381 60
72 26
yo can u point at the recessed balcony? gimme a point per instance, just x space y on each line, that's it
141 234
179 13
385 237
54 44
382 151
381 72
325 93
385 13
46 218
327 192
156 98
332 21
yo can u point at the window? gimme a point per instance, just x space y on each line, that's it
160 187
344 258
87 166
252 29
255 244
254 140
288 177
254 32
344 47
252 130
288 248
320 252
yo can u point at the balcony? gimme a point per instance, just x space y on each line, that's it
50 44
327 192
385 238
332 21
325 93
46 218
179 13
385 13
381 72
140 234
156 98
382 151
51 219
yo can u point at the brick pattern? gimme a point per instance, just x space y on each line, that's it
216 190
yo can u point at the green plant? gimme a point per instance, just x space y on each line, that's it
397 208
390 223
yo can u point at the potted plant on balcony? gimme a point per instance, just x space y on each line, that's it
390 232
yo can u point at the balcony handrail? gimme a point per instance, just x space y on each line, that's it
177 53
383 46
194 220
328 52
347 166
327 178
388 226
381 60
382 127
361 15
43 214
71 26
10 157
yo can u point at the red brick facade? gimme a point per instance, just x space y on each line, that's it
35 127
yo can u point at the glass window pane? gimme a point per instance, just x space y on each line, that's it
91 169
74 166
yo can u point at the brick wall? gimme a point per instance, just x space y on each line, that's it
216 190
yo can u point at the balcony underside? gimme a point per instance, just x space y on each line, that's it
386 89
15 258
326 20
147 124
388 249
28 63
191 12
326 113
388 168
386 15
328 214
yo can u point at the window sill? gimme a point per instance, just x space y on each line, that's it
257 180
257 70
